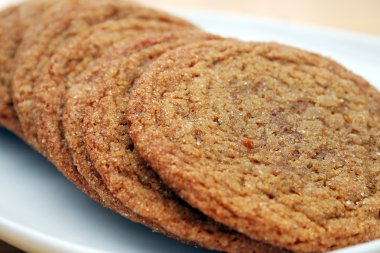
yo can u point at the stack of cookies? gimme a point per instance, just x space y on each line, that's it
227 145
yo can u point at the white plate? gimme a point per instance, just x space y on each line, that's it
40 211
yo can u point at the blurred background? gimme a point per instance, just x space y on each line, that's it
361 16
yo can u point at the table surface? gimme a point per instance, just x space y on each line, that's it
358 16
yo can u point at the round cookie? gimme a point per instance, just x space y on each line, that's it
60 24
95 109
60 73
280 144
14 21
56 26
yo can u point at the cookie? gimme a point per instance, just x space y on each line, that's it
94 112
14 21
57 27
60 73
277 143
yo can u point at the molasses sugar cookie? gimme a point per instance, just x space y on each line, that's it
66 65
14 21
280 144
95 118
57 27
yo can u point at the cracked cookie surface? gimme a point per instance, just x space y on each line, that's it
59 27
14 21
280 144
72 61
95 111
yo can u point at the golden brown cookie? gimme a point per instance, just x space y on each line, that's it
14 21
61 72
280 144
95 126
57 27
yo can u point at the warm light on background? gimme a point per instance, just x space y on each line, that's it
356 15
